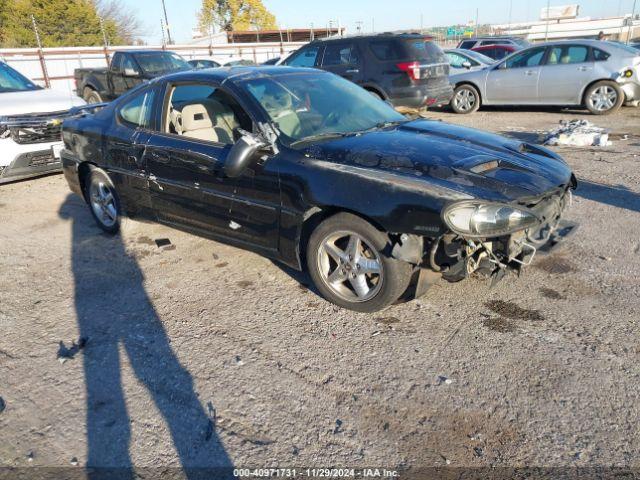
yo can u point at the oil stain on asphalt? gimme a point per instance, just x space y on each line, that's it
513 311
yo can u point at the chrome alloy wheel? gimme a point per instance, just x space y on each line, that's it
350 266
465 99
603 98
103 203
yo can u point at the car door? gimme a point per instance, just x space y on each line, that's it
124 150
342 58
568 70
187 182
515 80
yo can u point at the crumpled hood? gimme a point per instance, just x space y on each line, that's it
467 160
37 101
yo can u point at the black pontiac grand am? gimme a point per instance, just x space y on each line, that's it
307 168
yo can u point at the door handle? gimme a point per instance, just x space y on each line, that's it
583 68
353 70
529 72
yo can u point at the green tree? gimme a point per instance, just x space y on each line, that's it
60 23
232 15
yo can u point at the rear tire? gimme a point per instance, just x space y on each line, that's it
603 98
346 263
91 96
103 200
466 99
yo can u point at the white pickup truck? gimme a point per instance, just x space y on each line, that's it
30 120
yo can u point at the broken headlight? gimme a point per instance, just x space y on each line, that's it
486 219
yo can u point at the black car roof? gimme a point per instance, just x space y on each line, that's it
221 74
148 50
377 36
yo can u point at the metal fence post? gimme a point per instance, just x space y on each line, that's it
43 64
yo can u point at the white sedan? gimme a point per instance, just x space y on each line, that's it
30 120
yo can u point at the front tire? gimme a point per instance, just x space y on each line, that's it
604 97
466 99
103 200
91 96
347 266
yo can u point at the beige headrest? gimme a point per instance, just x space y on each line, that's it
195 117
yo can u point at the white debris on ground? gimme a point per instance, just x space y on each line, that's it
578 133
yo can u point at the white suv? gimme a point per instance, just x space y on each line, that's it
30 119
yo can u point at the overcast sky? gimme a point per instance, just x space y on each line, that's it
384 14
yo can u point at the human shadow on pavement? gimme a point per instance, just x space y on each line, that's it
115 314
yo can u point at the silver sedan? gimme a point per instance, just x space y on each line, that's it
600 76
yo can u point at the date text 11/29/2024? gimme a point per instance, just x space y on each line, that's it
315 473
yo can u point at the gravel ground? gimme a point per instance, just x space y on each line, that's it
116 352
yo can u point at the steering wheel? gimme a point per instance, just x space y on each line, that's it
330 119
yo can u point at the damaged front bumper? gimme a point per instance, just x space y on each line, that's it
30 145
454 257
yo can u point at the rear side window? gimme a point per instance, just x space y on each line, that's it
137 111
468 44
425 51
340 54
600 55
305 58
492 42
567 54
386 50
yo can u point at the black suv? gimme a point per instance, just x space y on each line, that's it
408 70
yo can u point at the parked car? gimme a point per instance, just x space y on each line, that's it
307 168
203 63
238 62
599 76
127 69
635 45
465 60
30 119
272 61
474 42
496 52
408 70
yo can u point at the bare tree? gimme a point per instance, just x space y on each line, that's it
127 24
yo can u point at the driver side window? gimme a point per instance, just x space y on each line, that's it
204 112
529 58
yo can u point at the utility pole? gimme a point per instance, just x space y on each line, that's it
421 23
546 32
359 27
166 21
510 12
477 13
633 14
373 25
164 43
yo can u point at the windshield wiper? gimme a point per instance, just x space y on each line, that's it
321 136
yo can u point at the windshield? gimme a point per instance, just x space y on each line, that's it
479 57
154 63
12 81
308 105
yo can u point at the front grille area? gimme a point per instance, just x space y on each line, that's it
35 128
40 159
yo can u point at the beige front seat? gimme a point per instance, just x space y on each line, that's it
196 123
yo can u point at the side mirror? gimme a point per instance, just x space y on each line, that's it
466 64
131 72
242 155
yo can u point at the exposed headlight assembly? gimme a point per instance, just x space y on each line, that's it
475 219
